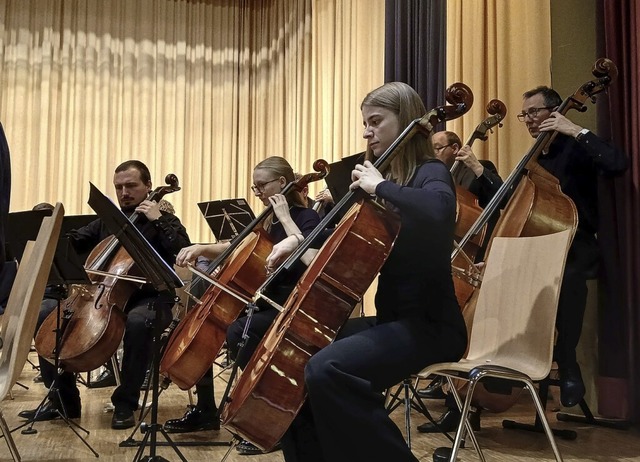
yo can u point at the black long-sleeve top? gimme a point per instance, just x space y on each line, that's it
418 268
166 235
306 219
485 186
577 164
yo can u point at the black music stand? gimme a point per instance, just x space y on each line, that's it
227 218
339 178
21 228
66 269
24 226
164 279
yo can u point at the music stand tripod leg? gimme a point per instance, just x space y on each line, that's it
53 389
250 310
150 437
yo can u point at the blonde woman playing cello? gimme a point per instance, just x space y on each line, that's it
418 321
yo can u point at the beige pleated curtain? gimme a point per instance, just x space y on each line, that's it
500 49
202 89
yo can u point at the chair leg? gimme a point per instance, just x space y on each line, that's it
537 427
407 410
464 427
116 368
543 418
13 449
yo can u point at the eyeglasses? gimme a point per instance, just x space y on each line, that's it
440 148
532 113
259 188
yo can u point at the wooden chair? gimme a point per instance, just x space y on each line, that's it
514 322
20 317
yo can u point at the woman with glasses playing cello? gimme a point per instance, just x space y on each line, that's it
292 221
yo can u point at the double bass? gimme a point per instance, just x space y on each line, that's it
199 336
270 391
93 318
537 206
468 210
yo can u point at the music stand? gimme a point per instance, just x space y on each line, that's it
339 178
21 228
163 278
73 222
227 218
66 268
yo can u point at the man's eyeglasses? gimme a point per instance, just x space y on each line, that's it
259 188
532 113
440 148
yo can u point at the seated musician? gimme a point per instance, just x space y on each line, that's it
577 157
290 222
132 181
418 321
480 177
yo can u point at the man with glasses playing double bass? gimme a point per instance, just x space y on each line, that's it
576 157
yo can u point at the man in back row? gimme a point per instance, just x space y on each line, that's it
577 157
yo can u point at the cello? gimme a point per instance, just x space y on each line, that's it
199 336
270 391
538 206
93 318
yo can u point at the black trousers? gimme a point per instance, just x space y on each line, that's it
582 264
137 345
260 323
344 418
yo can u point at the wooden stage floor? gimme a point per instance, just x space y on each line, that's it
54 441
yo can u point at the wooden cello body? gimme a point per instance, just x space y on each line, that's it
199 336
93 331
261 409
271 390
194 345
92 319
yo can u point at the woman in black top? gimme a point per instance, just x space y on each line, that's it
418 321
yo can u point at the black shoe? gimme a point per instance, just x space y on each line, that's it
433 390
105 379
442 454
449 421
194 420
246 448
50 412
122 418
571 386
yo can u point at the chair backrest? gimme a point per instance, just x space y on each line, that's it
20 317
516 309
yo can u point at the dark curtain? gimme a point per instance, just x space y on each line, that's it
5 191
619 336
415 47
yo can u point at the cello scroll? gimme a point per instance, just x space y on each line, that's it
460 99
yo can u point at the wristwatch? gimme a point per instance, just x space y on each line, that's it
581 133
